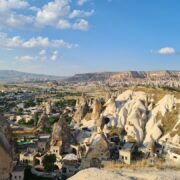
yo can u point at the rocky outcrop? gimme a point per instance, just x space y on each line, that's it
61 135
122 76
43 122
5 149
96 109
153 125
128 111
110 107
126 174
96 151
81 109
139 115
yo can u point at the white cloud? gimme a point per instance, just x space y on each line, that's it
64 24
81 25
10 18
80 13
55 56
34 8
15 20
81 2
56 13
6 5
42 55
35 42
52 12
25 59
42 52
167 51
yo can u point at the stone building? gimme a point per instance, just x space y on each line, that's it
174 155
97 151
125 154
43 145
70 165
18 173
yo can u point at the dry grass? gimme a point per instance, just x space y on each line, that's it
157 92
88 116
159 164
114 131
134 165
169 120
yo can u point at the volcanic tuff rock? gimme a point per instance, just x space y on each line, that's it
5 149
43 122
81 109
97 108
141 117
126 174
61 135
122 76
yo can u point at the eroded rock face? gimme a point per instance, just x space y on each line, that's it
81 109
153 130
97 108
61 135
135 113
43 122
128 111
5 149
110 106
97 150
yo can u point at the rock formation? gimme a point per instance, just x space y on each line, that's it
138 115
43 122
153 125
81 109
126 174
96 109
96 150
61 135
5 149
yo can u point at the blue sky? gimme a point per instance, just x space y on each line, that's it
65 37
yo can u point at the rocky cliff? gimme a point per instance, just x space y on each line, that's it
123 76
5 149
143 117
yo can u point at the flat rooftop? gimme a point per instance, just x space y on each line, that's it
128 146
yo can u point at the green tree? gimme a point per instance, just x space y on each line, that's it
19 111
48 162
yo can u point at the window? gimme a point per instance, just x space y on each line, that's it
122 157
126 158
175 157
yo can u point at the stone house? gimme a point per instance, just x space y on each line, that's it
27 157
97 151
56 149
18 173
125 154
70 165
43 145
174 155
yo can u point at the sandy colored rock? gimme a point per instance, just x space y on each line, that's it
5 149
61 135
126 174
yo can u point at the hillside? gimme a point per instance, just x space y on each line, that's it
127 75
11 76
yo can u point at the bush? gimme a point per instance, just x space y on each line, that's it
48 162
